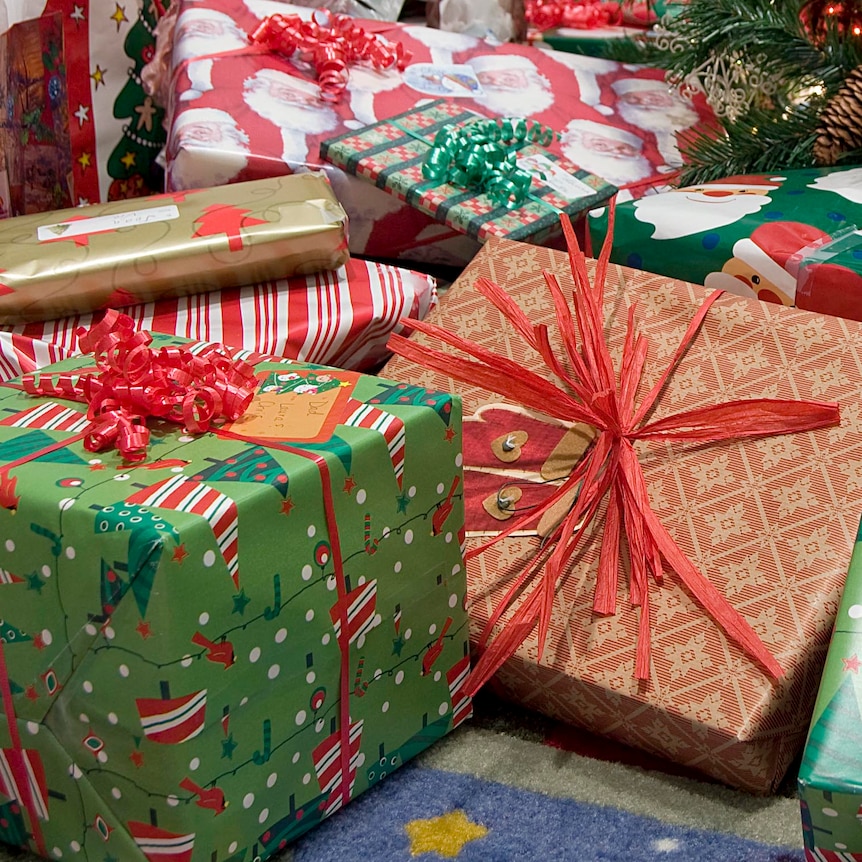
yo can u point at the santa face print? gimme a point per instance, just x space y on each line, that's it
209 133
504 79
717 195
657 99
608 146
740 278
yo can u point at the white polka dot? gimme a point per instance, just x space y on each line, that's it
244 701
109 632
90 629
116 793
361 496
456 568
47 636
295 758
56 851
311 531
84 718
65 504
176 469
360 641
432 628
194 763
408 537
261 818
271 779
185 438
204 618
231 848
87 686
447 538
307 572
378 673
408 633
319 725
10 545
360 760
248 800
437 676
331 583
74 846
360 580
70 553
399 677
254 655
666 845
453 600
280 635
840 845
325 639
310 677
209 558
46 573
440 487
124 670
385 706
443 709
829 812
411 491
186 661
173 801
397 566
102 756
75 771
855 612
112 718
273 671
459 460
300 717
32 727
309 615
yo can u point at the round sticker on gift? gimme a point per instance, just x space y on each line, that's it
443 80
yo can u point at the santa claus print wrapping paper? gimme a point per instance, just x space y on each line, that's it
205 653
79 127
238 113
790 238
769 521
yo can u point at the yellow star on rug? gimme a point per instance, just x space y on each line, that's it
445 835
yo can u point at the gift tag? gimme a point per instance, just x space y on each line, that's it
502 504
507 447
568 452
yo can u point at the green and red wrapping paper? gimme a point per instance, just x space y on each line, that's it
830 776
207 651
392 154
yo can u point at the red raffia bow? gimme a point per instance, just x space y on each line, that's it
594 393
577 14
134 381
330 46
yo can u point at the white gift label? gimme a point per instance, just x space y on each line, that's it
552 175
98 224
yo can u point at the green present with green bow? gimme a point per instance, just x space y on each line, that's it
233 596
480 177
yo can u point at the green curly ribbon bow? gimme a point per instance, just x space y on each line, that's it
482 154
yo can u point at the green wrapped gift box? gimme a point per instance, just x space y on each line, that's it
789 238
830 776
391 155
204 654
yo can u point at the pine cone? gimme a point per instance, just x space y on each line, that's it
840 129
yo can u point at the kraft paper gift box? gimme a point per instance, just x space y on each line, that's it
238 114
115 254
830 776
768 521
392 154
207 652
788 238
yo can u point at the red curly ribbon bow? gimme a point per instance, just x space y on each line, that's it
595 394
134 381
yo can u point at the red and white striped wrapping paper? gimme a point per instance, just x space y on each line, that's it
341 318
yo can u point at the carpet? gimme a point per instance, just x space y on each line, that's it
510 785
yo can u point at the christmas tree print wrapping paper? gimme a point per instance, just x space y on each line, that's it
391 155
239 114
183 641
789 238
79 127
769 521
116 254
830 777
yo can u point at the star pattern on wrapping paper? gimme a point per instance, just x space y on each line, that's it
137 758
39 642
287 506
98 75
401 502
240 601
349 485
34 582
128 160
852 664
144 630
85 160
445 835
82 115
450 434
77 13
30 693
180 553
227 747
119 15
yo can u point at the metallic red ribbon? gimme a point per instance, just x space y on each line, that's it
596 394
330 45
133 382
577 14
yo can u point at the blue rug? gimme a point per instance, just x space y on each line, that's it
429 814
